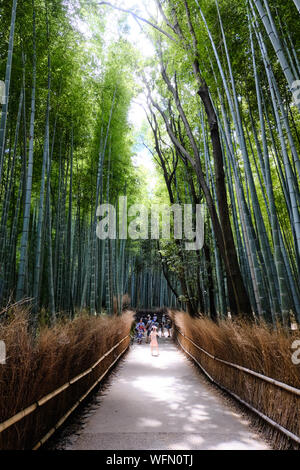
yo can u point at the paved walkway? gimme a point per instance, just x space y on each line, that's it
161 402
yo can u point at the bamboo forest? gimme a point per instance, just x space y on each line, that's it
149 165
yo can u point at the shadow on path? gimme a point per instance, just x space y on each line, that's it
161 402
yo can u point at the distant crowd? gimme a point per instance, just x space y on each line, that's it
149 328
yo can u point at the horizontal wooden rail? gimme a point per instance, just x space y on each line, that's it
21 414
285 431
288 388
63 419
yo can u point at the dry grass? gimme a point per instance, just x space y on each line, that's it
36 368
126 301
257 347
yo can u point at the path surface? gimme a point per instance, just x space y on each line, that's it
162 402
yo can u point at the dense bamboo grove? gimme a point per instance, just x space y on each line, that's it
221 122
65 144
238 141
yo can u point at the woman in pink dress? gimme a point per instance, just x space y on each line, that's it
153 342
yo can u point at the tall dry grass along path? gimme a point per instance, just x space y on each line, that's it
161 403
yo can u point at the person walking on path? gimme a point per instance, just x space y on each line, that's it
168 327
163 325
149 328
162 330
153 342
140 327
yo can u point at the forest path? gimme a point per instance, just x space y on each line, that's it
154 403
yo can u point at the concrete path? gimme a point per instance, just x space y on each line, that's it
161 402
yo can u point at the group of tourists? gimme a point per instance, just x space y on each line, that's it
150 328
